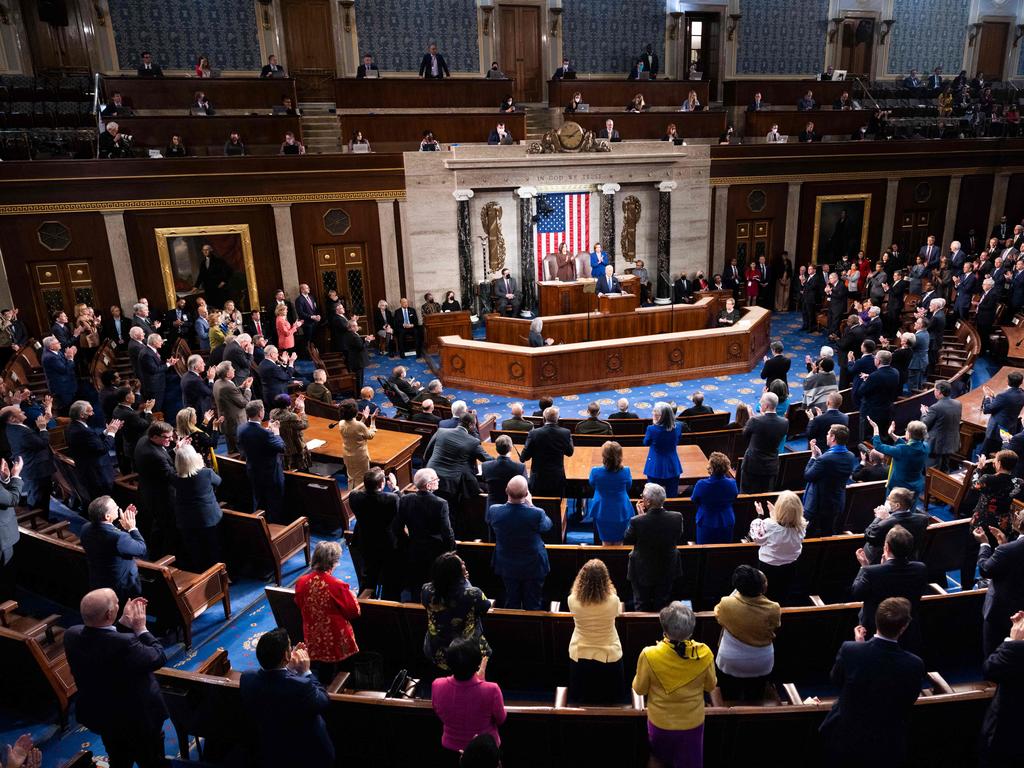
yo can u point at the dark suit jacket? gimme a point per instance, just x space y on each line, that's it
879 683
426 518
10 495
893 578
603 286
34 447
60 376
943 422
879 391
1004 568
240 360
196 392
766 433
361 71
262 450
874 534
154 71
826 477
286 711
90 450
496 473
775 367
1004 410
305 312
517 425
375 513
357 357
154 376
196 501
110 554
109 329
819 425
155 467
1001 728
442 67
275 379
616 415
837 301
117 692
986 313
519 549
967 288
603 134
654 536
863 364
453 453
547 446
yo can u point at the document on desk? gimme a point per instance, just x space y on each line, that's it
312 445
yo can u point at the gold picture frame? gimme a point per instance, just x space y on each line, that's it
830 205
192 235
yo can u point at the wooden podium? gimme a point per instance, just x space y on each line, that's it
614 303
557 298
445 324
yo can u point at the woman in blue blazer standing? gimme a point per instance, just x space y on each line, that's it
909 455
662 437
196 509
714 496
611 508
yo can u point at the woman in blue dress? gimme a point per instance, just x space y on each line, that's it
662 437
714 496
610 507
909 455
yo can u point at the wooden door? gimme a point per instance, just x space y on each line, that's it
857 46
913 230
56 36
753 240
520 57
701 47
343 268
60 286
992 49
309 42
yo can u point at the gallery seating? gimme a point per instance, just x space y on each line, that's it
252 540
224 93
403 131
202 136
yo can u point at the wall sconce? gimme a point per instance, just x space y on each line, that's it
734 21
673 31
347 5
265 14
100 7
833 29
886 29
973 31
556 14
1018 34
487 10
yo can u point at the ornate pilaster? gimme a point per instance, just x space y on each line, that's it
286 248
665 189
952 203
792 215
527 258
608 220
120 258
465 247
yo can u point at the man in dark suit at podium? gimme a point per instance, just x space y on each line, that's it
367 68
608 282
272 68
433 66
564 72
505 293
609 132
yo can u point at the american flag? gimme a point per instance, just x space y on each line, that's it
562 218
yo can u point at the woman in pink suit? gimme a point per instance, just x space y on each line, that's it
285 330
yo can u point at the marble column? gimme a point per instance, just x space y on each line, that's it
527 256
952 203
608 220
286 248
661 290
999 187
792 217
121 260
721 228
389 249
889 222
462 196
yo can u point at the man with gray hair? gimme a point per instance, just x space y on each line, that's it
238 351
547 446
59 369
423 523
153 370
958 257
231 401
879 392
654 532
623 412
275 374
460 409
136 343
140 319
197 389
433 391
943 422
453 454
767 435
91 451
936 329
985 316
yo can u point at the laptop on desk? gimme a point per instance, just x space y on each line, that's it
582 107
360 149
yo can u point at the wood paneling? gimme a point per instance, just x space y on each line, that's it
973 207
742 204
22 250
920 211
1014 208
653 125
308 34
992 49
808 196
223 92
616 94
262 134
520 50
404 131
60 47
140 226
408 92
785 93
792 122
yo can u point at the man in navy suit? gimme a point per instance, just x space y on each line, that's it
985 317
547 445
275 373
110 551
879 684
855 367
285 703
827 474
608 282
896 576
1017 287
154 370
519 555
33 446
118 696
958 258
818 427
91 451
497 472
262 449
197 389
10 495
1003 410
1004 568
1001 743
59 367
65 335
433 65
930 253
879 391
966 286
309 313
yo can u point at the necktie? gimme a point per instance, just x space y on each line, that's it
506 286
259 329
405 312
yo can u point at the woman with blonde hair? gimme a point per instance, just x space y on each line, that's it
611 482
692 103
354 434
203 438
595 653
328 607
285 330
781 540
217 332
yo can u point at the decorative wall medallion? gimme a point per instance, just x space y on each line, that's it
515 370
614 362
676 357
734 350
569 138
757 200
336 221
548 371
54 236
458 363
923 192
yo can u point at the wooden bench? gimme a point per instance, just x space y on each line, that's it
33 666
339 379
403 131
252 539
262 134
177 92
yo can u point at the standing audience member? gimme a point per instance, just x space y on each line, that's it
285 705
896 576
826 476
766 432
662 466
110 550
292 421
262 449
942 420
1004 569
10 496
134 423
909 455
610 508
498 471
196 510
91 451
231 401
118 697
59 368
780 541
595 653
674 675
32 445
455 611
466 704
1003 410
714 496
1000 732
654 565
990 505
423 528
897 510
354 436
154 465
374 543
547 446
520 558
746 654
328 607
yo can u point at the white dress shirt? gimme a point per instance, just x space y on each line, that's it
779 545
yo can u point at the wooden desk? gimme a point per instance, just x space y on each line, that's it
646 321
223 92
599 365
1015 343
397 92
787 93
792 122
445 324
585 458
614 304
973 419
558 298
653 125
618 93
262 134
388 449
403 131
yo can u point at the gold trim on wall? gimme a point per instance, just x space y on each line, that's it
840 199
725 181
197 202
163 234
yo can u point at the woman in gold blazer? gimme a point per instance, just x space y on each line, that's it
354 434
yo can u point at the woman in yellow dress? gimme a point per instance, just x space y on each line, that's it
946 102
354 434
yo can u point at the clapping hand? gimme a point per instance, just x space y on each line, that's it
997 534
924 410
860 634
987 391
149 405
274 426
759 508
366 412
207 416
979 535
247 383
299 661
113 426
862 557
874 426
892 428
815 450
134 616
5 472
24 753
128 517
1016 630
881 512
41 421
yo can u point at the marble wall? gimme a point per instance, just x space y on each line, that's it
928 34
781 38
397 32
606 36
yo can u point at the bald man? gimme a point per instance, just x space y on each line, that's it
519 555
118 697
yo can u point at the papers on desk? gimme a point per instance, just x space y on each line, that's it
312 445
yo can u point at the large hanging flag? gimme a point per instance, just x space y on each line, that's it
562 218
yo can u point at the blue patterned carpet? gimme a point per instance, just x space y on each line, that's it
251 614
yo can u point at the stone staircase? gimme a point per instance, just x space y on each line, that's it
540 120
320 130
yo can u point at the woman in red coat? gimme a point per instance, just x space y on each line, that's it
327 606
285 330
753 283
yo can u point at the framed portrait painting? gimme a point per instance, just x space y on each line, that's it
840 227
214 262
